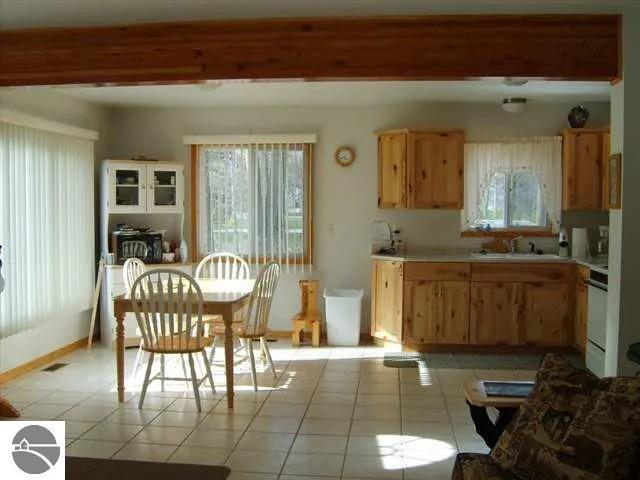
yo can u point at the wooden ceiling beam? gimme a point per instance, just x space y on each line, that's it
570 47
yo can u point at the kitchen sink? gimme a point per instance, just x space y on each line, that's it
515 256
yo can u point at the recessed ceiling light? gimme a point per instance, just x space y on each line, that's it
514 105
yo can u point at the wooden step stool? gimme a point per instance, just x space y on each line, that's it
309 317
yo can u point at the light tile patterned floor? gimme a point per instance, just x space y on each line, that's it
331 413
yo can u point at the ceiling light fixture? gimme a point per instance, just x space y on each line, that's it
514 105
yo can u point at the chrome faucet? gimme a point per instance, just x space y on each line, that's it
513 244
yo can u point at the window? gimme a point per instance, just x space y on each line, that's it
513 185
254 201
46 226
512 200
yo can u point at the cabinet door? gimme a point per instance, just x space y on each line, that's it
127 187
452 321
392 159
495 313
581 312
387 308
606 174
582 171
545 314
420 311
435 176
165 189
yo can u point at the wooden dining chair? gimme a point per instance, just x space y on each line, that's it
255 322
221 266
132 269
168 307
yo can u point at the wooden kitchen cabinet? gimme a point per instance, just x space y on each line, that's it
436 312
581 309
545 314
387 299
420 169
392 154
495 313
435 169
583 163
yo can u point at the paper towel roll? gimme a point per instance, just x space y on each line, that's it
580 243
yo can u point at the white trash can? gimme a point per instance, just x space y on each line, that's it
343 308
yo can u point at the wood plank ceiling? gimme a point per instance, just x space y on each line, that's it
570 47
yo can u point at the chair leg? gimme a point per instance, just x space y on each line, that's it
145 383
213 350
138 361
194 380
208 369
184 369
252 361
162 371
267 354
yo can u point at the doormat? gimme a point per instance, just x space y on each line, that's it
54 366
403 360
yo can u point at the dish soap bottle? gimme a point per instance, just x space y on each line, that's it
184 254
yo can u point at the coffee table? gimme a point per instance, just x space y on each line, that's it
478 402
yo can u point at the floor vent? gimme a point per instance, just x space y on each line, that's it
55 366
402 359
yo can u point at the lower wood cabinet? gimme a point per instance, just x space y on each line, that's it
581 310
495 312
545 315
436 312
476 304
386 300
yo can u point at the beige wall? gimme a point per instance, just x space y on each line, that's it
344 198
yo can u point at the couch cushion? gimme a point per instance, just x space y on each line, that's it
573 426
477 466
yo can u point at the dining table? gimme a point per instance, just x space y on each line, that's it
220 297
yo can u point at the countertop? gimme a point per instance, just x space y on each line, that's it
595 263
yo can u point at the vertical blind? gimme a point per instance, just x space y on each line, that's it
253 202
46 226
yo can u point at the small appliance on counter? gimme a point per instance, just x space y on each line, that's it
563 243
580 243
142 243
603 241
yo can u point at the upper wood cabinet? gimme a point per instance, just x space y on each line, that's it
420 169
585 151
386 300
392 152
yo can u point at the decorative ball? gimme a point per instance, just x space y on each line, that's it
578 116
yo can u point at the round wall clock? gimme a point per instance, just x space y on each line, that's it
345 156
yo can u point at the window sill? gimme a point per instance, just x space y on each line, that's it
508 233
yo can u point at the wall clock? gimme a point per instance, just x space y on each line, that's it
345 156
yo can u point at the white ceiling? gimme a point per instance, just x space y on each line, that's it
252 94
42 13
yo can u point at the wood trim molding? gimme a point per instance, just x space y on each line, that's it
436 47
508 233
193 200
42 360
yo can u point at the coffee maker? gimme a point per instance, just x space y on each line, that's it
603 241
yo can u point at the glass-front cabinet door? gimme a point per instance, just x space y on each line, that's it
165 193
128 187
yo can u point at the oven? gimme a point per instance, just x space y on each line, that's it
597 322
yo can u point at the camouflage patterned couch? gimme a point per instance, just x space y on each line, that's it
574 426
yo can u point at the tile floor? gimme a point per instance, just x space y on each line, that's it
331 413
